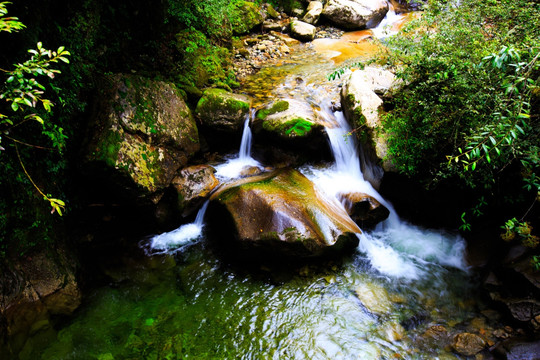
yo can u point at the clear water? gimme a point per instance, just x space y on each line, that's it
188 303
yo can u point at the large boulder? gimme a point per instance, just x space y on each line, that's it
244 17
281 213
314 11
361 106
142 132
355 14
302 31
221 110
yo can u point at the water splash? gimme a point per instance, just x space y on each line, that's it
185 234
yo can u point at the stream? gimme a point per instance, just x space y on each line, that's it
181 300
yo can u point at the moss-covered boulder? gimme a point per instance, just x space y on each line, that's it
221 110
203 63
244 17
192 185
291 125
361 106
142 131
281 213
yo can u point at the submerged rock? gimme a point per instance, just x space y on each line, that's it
355 14
142 131
221 110
468 344
364 209
302 31
282 213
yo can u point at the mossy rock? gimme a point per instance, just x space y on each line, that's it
244 17
283 213
203 62
222 110
288 119
142 130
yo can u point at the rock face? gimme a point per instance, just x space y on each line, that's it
361 105
365 210
221 110
302 31
355 14
192 185
33 289
245 16
282 213
314 11
142 131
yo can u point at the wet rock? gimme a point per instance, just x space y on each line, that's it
302 31
35 287
192 185
361 106
281 213
221 110
364 209
244 17
468 344
519 349
271 11
141 132
355 14
314 11
436 332
294 8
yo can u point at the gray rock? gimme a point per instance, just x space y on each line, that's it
314 11
302 31
355 14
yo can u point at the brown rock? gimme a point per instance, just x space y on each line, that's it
192 185
364 209
468 344
282 213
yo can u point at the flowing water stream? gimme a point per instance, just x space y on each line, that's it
186 302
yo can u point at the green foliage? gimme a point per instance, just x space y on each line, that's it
24 93
468 112
336 74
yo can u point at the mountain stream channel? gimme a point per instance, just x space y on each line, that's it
402 290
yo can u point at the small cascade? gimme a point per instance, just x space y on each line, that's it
234 167
185 234
389 25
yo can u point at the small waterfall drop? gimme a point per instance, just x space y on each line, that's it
233 167
387 27
183 235
187 233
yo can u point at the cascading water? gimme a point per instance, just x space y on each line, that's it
194 305
187 233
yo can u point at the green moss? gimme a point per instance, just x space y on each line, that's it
244 16
295 127
279 106
108 147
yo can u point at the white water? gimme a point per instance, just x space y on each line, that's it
233 167
386 27
187 233
396 249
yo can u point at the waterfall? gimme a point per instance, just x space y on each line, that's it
183 235
187 233
396 248
233 167
387 27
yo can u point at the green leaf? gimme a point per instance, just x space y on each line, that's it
14 106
